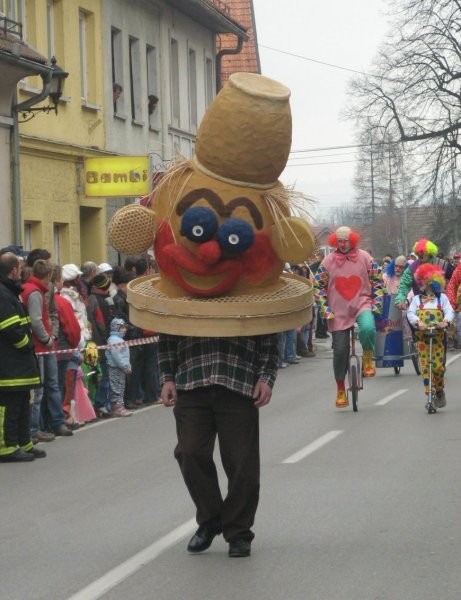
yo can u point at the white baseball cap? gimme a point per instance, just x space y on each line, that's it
70 272
105 268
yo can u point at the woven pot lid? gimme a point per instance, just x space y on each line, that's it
227 316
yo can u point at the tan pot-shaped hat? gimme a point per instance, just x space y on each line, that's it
245 135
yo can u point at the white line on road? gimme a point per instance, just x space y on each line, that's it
115 576
453 358
389 398
318 443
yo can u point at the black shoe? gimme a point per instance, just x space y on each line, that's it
36 452
17 456
202 538
63 430
239 547
322 336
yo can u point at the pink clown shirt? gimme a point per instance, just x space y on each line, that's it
346 285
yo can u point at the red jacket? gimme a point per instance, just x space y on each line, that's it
68 322
33 284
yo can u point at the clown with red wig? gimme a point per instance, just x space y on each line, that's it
348 289
426 252
431 308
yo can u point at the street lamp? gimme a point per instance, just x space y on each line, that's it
55 89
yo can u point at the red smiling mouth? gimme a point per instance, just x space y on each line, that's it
217 279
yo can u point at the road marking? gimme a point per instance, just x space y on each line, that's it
101 586
453 358
309 449
389 398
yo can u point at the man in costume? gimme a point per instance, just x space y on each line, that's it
431 308
222 230
348 289
426 252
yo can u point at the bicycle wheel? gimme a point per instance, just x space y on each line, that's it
414 356
354 388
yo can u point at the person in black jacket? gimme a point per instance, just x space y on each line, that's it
19 371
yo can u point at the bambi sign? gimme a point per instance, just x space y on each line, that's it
117 176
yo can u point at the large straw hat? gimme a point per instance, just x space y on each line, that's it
245 135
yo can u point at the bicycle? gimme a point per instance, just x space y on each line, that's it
354 371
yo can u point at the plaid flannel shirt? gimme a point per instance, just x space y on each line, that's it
236 363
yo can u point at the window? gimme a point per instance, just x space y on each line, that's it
50 27
152 87
87 40
208 81
135 79
117 70
12 9
83 56
60 243
192 90
175 100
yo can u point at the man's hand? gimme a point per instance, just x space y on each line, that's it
168 395
262 394
402 305
442 325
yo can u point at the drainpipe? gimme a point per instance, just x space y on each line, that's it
14 141
219 56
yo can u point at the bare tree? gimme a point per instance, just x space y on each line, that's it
414 93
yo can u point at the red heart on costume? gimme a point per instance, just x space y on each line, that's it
348 286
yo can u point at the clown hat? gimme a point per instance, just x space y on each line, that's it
430 276
245 135
426 246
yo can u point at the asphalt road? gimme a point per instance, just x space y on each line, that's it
353 506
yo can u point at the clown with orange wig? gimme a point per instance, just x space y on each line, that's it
426 252
348 290
431 308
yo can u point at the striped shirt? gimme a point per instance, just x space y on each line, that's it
236 363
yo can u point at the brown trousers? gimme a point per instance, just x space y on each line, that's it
201 415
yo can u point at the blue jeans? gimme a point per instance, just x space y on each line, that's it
102 395
46 410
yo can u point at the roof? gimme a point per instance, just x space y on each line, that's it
12 44
248 58
213 14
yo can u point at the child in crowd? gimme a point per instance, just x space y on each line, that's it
431 309
91 370
118 363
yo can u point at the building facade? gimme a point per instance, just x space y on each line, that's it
162 54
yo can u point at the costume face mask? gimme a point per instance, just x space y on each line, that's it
221 223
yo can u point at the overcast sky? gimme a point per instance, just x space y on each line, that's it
345 33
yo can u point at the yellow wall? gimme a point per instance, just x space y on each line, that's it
53 147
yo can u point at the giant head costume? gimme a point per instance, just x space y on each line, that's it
222 226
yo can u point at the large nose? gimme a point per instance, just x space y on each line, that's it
209 252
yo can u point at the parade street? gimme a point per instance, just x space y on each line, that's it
354 506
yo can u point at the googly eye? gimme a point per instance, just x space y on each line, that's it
197 231
235 235
199 224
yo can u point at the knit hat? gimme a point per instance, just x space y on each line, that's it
105 268
101 281
426 246
116 324
70 272
432 276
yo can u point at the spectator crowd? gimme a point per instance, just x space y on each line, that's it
88 360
